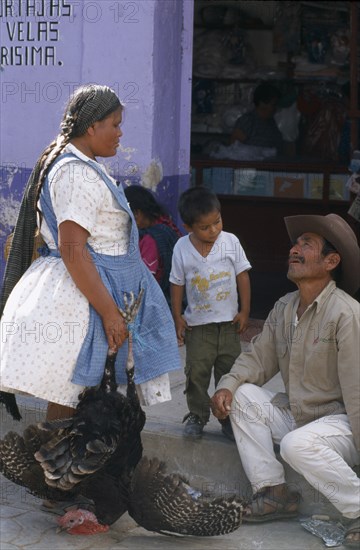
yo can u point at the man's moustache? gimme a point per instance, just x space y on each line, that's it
299 258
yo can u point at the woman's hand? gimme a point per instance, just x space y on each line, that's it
115 329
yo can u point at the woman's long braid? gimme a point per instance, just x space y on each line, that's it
68 131
55 149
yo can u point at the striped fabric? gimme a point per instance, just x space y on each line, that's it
21 251
98 103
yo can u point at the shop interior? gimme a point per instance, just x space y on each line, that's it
309 52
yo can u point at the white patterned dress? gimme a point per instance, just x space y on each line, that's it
45 318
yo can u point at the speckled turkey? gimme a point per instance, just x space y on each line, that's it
93 464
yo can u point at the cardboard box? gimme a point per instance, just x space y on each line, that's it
314 188
289 185
219 180
338 189
249 181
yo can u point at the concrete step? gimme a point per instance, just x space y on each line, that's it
212 463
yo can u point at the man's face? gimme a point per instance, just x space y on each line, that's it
306 261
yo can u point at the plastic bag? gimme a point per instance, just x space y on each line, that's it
332 533
287 120
241 151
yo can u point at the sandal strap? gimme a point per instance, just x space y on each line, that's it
258 505
354 527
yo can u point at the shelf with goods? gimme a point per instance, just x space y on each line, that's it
232 58
222 91
354 108
297 181
255 198
256 194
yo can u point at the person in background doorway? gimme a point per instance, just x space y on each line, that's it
345 146
258 126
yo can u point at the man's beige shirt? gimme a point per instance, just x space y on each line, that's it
318 357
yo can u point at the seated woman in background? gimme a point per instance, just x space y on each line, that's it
157 234
258 127
345 146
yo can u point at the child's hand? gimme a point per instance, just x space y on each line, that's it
242 320
180 327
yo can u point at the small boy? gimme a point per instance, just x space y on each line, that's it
212 266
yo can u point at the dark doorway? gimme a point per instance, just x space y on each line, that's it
266 288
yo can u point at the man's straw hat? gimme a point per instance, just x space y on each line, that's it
335 230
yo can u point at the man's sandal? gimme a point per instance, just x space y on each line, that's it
354 528
258 514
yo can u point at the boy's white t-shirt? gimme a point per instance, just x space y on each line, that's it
210 282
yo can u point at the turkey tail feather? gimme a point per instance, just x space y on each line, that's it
165 503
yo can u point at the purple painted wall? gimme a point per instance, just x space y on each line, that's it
143 49
171 133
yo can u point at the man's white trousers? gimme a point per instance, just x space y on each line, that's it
323 451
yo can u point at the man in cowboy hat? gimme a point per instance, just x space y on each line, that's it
312 336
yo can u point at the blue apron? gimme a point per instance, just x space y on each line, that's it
155 344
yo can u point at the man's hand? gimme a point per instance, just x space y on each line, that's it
220 403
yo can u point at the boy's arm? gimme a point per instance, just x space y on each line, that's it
243 286
177 294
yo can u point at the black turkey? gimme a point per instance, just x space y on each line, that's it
9 400
93 464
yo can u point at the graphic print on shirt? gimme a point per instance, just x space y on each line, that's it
207 290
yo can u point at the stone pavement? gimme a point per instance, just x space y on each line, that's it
211 465
25 526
